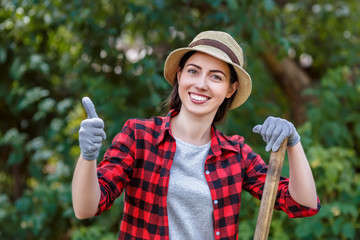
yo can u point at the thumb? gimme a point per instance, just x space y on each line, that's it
89 108
257 129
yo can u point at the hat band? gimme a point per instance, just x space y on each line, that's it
219 45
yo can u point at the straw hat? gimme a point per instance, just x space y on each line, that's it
221 46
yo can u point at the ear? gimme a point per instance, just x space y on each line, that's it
232 89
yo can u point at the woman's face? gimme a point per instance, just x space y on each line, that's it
204 83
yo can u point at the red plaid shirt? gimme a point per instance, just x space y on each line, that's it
139 162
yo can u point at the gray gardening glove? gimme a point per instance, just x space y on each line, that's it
91 133
275 130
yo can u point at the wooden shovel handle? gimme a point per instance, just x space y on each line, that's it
269 194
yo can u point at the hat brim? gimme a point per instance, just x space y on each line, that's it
245 85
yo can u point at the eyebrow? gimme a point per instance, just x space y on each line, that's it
213 71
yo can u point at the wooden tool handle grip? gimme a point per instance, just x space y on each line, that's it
269 194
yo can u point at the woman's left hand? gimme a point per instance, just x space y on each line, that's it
274 131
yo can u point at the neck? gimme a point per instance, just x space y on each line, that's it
193 130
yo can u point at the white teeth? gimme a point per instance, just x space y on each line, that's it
198 98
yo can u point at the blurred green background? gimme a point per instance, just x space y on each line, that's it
303 56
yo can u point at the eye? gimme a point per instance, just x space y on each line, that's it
192 71
216 77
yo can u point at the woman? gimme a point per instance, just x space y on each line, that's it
183 178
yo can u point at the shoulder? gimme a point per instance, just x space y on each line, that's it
144 128
236 143
145 124
233 140
139 128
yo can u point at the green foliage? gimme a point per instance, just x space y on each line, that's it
338 185
335 115
333 151
93 232
52 53
326 30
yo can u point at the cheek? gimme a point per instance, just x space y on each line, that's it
182 89
222 90
184 82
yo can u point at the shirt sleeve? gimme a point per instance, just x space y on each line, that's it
115 170
254 180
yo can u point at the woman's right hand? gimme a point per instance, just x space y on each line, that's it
91 133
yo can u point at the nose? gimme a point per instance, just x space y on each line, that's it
201 82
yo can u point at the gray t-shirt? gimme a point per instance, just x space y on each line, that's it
190 208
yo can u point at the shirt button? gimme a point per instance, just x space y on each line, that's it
217 233
215 201
207 172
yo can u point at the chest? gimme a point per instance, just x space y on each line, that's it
223 173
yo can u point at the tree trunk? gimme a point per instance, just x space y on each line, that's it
293 80
19 183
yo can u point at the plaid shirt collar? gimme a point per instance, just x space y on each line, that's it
219 142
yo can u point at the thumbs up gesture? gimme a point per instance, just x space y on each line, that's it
91 133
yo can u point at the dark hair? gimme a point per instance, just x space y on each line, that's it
174 101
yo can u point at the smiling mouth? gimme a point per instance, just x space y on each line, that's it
198 98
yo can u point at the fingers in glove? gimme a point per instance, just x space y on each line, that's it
94 126
280 139
270 133
273 136
257 129
89 108
95 147
267 129
97 123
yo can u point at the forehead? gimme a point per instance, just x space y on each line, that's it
206 61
